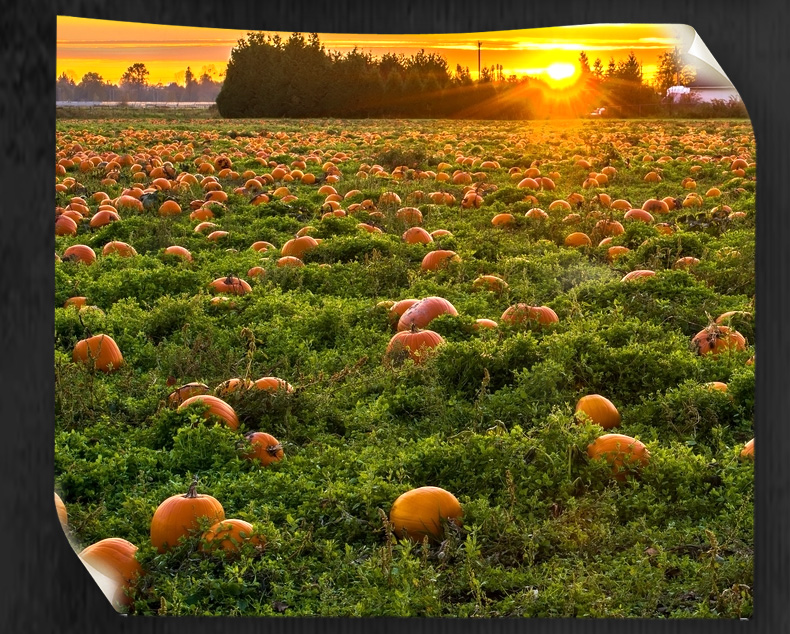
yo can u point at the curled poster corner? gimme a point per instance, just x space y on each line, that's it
111 587
710 75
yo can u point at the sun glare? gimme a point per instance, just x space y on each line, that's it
560 71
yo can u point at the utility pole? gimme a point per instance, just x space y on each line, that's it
479 44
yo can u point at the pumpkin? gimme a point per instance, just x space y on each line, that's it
724 318
409 215
417 235
484 323
421 313
170 208
716 385
77 302
638 274
503 220
685 263
262 245
214 236
180 252
638 214
716 339
536 214
609 227
179 395
101 350
114 557
80 253
440 233
289 261
748 450
179 514
256 271
490 282
229 535
231 284
398 308
103 217
419 513
599 409
63 515
438 259
416 344
520 313
297 247
615 252
265 448
120 249
216 407
231 385
272 384
620 451
578 239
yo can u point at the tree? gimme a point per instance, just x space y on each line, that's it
597 68
584 63
92 87
673 70
64 88
611 68
135 75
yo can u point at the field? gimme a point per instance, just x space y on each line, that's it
488 414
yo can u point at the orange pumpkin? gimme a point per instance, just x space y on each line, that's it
609 228
748 450
615 252
503 220
103 218
231 284
420 314
272 384
80 253
409 215
578 239
297 247
216 407
77 302
231 385
417 344
419 513
179 514
101 350
638 274
230 534
63 515
179 395
638 214
262 245
685 263
620 451
490 282
599 409
417 235
121 249
716 339
289 261
180 252
484 323
114 557
520 313
170 208
265 448
435 260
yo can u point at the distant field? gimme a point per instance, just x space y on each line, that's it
559 213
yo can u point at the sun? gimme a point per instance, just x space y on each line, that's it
560 70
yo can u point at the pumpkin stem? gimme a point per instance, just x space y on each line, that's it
192 492
273 449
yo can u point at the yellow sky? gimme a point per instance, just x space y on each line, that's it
109 48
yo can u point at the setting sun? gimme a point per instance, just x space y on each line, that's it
561 74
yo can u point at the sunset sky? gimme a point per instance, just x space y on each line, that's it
109 48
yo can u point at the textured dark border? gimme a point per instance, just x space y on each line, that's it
43 586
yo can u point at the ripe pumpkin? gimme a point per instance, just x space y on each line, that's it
179 514
716 385
265 448
520 313
272 384
262 245
297 247
600 410
231 385
63 515
748 450
685 263
484 323
103 217
216 407
417 235
578 239
115 558
638 274
101 350
435 260
503 220
716 339
180 252
409 215
77 302
65 226
420 314
638 214
490 282
169 208
417 344
230 534
615 252
289 261
80 253
609 227
419 513
121 249
620 451
179 395
230 284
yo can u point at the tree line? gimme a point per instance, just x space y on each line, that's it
134 86
270 76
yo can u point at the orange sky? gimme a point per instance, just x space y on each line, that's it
109 48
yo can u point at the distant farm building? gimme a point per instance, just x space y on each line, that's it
703 94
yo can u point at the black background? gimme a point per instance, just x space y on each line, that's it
43 587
